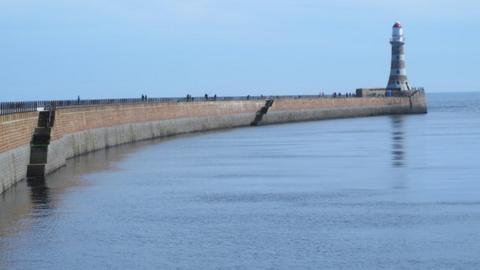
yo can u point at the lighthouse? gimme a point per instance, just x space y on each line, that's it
398 75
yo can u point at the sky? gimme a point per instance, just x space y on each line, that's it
57 49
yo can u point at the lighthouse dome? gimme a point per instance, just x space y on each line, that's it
397 25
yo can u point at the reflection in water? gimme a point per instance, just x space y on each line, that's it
38 197
315 195
398 141
39 194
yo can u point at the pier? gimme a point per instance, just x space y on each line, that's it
30 138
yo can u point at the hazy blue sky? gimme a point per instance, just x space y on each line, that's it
121 48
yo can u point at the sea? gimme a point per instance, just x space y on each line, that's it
386 192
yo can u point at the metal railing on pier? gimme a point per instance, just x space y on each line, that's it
31 106
17 107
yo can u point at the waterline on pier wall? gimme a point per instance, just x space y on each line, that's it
322 114
75 144
13 166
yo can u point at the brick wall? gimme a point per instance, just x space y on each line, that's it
16 130
302 104
73 120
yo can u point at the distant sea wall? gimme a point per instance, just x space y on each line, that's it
82 129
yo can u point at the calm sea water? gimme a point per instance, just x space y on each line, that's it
398 192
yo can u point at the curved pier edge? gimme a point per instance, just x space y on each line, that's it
67 144
347 112
79 143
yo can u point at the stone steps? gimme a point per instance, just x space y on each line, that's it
39 145
260 113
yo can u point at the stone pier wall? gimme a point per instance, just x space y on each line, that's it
15 134
284 111
79 130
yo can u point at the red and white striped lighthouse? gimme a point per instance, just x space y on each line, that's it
398 75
